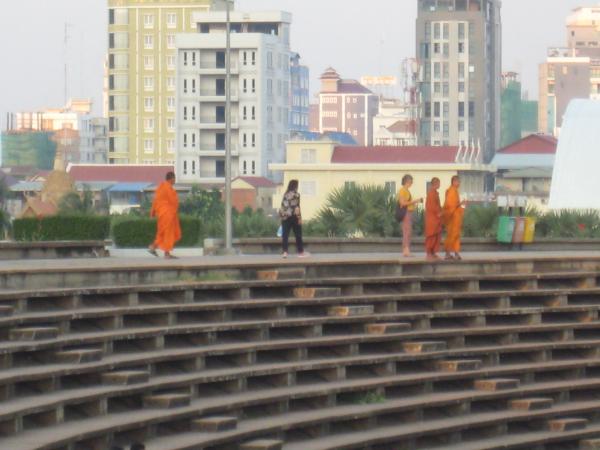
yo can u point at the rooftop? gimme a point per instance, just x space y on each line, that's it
532 144
127 173
394 155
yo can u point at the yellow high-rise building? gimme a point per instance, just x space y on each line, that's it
141 76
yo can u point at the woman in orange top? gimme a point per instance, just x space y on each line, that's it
454 212
165 208
406 201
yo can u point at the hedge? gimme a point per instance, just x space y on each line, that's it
62 228
139 232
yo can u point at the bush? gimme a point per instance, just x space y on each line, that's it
254 224
62 228
139 232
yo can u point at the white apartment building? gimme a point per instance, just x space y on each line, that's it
260 96
93 138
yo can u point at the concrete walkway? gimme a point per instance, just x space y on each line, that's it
147 262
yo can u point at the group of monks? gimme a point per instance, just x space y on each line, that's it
450 216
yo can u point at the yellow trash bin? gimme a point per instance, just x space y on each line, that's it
529 235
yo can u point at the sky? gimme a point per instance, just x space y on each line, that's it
354 39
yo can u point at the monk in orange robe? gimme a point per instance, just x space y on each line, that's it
453 215
165 207
433 221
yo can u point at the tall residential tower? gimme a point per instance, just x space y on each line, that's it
459 49
260 95
141 76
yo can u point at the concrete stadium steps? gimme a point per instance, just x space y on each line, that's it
113 272
290 359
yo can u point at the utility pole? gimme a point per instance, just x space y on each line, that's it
228 199
66 69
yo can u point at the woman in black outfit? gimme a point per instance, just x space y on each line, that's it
291 219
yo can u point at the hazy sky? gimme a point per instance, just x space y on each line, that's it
345 34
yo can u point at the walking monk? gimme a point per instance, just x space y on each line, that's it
164 208
433 221
453 219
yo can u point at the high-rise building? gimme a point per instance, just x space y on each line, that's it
141 76
346 106
300 95
459 50
570 72
260 95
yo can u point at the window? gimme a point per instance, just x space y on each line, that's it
185 113
436 126
308 188
471 109
436 109
437 87
269 87
193 58
185 167
461 86
193 167
185 58
170 103
254 113
172 20
461 109
253 58
148 125
194 140
171 83
185 140
185 86
245 86
245 167
461 71
436 48
245 113
171 145
171 124
245 63
244 140
149 145
253 139
308 156
148 62
171 62
148 42
148 83
446 31
149 104
148 20
270 60
461 125
446 129
461 47
427 109
446 109
171 41
253 85
118 16
253 167
461 30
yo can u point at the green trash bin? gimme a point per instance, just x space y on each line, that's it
506 229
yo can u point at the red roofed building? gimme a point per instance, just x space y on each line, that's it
346 106
524 168
323 166
127 173
534 144
253 192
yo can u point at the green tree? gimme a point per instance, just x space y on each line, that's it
75 203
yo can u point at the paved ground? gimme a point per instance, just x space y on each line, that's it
143 261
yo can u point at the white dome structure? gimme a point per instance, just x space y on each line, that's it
576 175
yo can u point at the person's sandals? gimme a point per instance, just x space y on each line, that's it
171 257
304 255
449 257
153 252
284 255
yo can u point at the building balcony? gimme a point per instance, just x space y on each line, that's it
214 123
217 68
217 95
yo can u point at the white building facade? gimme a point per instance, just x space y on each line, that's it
94 140
260 96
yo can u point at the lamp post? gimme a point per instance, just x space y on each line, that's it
228 199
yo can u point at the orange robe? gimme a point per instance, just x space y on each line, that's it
164 208
433 222
453 219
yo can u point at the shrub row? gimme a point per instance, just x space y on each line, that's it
62 228
139 232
